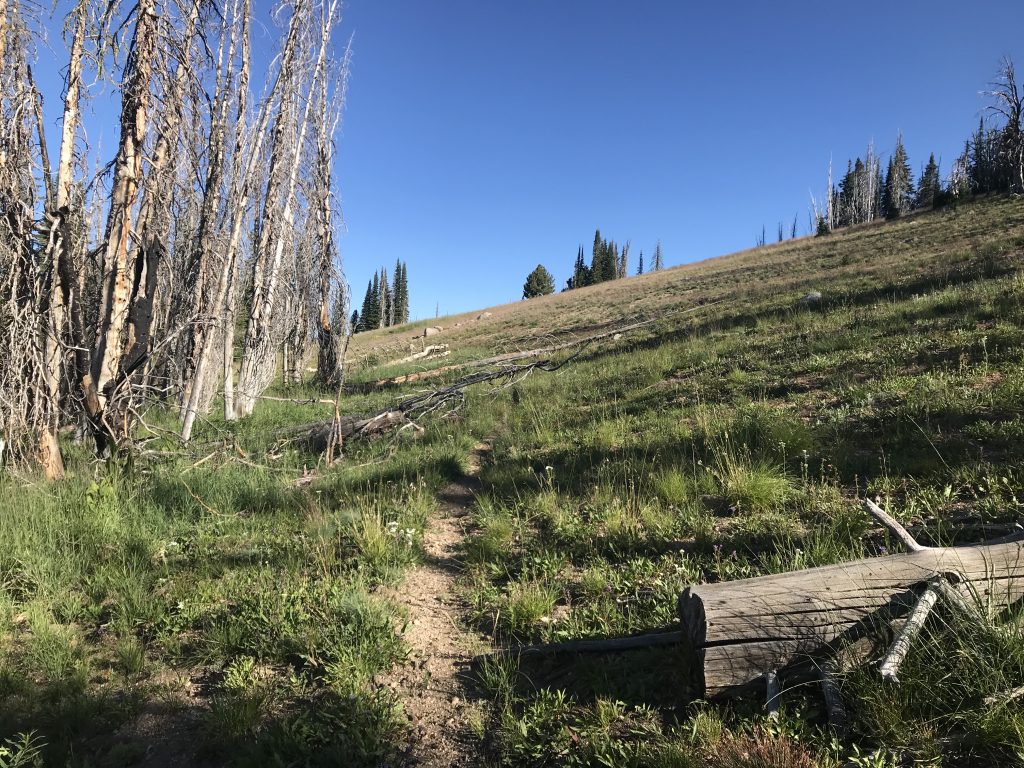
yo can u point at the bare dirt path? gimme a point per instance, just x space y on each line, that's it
434 685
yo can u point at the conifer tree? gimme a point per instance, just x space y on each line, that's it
658 265
623 265
581 273
610 262
353 322
399 295
640 268
930 186
386 304
538 283
366 313
597 258
899 183
403 316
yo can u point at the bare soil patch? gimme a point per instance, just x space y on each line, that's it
434 684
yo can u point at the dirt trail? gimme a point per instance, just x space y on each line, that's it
433 686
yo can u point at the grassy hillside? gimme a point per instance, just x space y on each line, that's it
239 602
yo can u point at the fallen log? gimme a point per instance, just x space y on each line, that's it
740 630
318 435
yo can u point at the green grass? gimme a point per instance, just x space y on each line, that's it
266 597
733 441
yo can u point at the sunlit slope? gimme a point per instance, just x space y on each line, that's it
856 265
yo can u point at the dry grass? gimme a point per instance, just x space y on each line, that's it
916 249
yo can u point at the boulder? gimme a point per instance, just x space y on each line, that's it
431 331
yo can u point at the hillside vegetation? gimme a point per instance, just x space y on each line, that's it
240 602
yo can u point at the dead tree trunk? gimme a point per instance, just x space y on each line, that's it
740 630
256 369
200 267
121 286
195 402
328 363
63 325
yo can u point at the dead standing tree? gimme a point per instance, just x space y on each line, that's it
26 410
330 286
122 281
211 301
257 365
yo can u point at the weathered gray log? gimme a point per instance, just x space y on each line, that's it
741 629
317 435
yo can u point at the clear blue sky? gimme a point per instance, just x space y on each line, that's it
482 138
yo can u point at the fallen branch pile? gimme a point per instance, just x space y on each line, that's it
505 358
318 435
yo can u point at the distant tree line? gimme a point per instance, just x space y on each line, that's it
607 262
385 303
992 161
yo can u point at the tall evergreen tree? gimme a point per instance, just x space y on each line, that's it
400 294
387 306
598 257
899 183
353 322
367 309
581 273
930 185
623 265
405 292
371 305
640 268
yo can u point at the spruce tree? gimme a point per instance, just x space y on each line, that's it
929 188
658 265
597 258
610 262
367 311
623 265
387 306
538 283
899 183
640 269
371 310
353 322
405 293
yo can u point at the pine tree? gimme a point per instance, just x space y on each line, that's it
929 188
371 305
353 322
538 283
366 313
610 261
405 293
899 183
387 306
658 265
581 274
624 261
640 269
597 258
